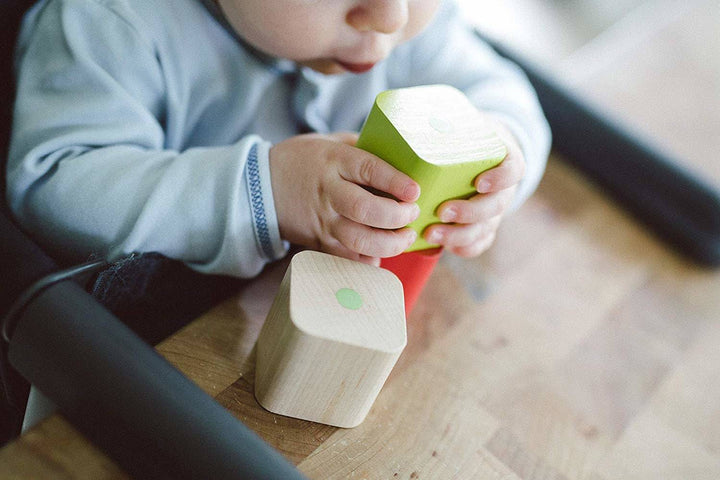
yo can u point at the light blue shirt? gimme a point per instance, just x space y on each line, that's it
145 125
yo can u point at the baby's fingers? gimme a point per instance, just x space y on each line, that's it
475 249
361 206
366 169
348 138
476 209
372 242
340 250
462 235
508 173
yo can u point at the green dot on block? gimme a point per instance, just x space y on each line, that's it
349 298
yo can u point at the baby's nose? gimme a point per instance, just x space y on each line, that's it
383 16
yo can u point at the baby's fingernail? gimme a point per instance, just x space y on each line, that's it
483 186
435 236
412 191
416 211
448 214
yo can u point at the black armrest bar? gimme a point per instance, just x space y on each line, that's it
127 399
13 314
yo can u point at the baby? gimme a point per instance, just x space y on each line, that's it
218 133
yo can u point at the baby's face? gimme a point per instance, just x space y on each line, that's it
330 36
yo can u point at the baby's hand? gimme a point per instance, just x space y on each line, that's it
470 226
318 182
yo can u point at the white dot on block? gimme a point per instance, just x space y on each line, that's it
440 124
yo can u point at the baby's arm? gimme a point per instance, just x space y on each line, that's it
98 163
450 52
318 183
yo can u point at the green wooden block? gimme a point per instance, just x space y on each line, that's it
436 136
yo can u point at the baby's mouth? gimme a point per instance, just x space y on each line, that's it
356 67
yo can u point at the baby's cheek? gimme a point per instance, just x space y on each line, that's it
420 14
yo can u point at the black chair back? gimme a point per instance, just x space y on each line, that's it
28 263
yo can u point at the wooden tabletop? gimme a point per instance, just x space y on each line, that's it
579 346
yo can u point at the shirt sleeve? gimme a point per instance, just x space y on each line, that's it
89 171
450 52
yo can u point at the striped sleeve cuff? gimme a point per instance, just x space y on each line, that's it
264 218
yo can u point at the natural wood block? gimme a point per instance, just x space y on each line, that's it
331 338
436 136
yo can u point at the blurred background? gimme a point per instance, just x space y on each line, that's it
654 64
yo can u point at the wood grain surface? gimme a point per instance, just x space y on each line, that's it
578 347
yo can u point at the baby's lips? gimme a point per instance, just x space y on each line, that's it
356 67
